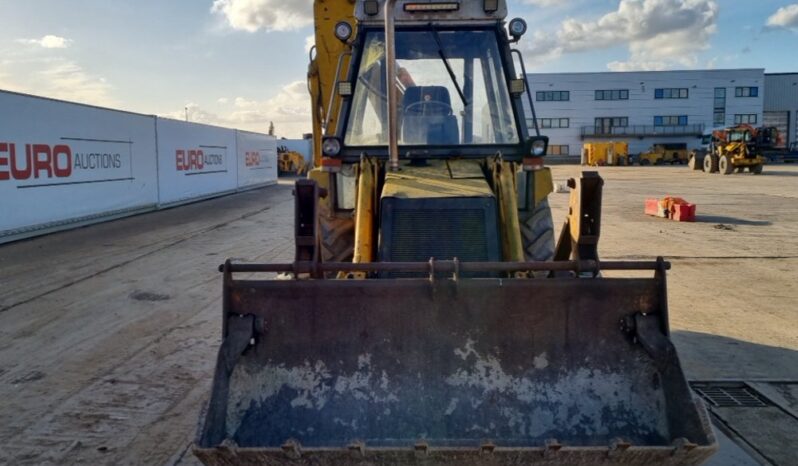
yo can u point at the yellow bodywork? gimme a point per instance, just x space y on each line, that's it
291 162
365 209
660 153
605 153
738 153
321 72
453 178
504 183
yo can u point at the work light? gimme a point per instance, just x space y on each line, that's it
517 28
343 31
330 146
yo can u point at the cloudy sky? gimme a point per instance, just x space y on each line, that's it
242 63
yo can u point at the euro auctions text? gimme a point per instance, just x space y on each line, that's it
44 161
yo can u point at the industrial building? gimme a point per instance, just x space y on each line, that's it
643 107
781 105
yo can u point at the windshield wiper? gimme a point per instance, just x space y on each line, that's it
446 63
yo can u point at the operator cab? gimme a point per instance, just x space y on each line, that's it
454 69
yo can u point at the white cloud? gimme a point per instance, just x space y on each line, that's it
289 110
222 100
310 42
543 3
784 17
48 42
658 33
633 65
60 79
271 15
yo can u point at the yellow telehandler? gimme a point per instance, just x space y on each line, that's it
429 317
739 147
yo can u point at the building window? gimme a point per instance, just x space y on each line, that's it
747 118
553 96
670 120
555 123
615 122
719 107
671 93
615 94
746 92
605 125
559 150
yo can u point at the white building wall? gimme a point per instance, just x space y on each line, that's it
781 95
641 107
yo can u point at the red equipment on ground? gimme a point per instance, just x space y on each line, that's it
674 208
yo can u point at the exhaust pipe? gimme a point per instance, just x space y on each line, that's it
390 79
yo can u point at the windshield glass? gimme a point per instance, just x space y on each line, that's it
431 109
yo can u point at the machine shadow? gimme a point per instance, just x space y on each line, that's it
778 173
730 220
706 356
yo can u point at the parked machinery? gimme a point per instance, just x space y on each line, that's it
739 148
695 160
596 154
664 153
290 162
428 317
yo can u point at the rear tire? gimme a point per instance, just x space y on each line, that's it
336 235
756 169
537 232
725 165
710 163
644 162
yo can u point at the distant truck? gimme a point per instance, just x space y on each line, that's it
786 155
664 153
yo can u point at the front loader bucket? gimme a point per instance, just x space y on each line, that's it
450 371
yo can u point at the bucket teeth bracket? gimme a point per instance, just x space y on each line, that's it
647 330
240 330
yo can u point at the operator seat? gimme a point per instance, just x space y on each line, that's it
427 116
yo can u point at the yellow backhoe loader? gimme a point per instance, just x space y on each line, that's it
429 317
290 162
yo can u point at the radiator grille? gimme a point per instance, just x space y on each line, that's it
414 230
441 233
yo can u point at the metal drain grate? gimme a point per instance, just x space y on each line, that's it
734 395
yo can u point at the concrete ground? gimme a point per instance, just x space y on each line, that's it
108 333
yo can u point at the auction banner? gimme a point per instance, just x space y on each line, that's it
257 159
63 163
195 161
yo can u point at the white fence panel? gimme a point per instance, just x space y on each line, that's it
257 159
195 161
64 164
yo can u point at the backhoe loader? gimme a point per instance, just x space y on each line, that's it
429 316
738 148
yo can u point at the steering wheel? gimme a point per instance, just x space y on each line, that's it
434 103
